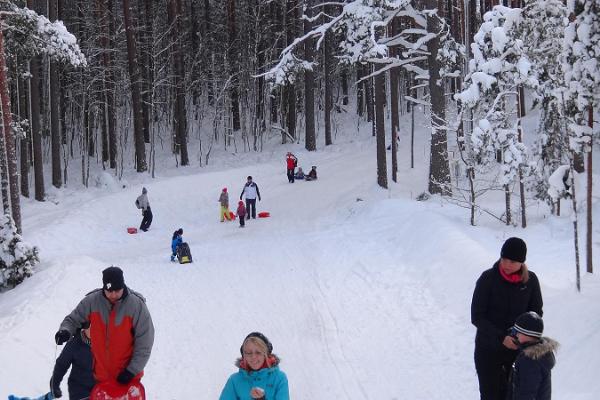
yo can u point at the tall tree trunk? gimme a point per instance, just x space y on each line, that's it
36 131
589 243
9 141
233 52
521 109
309 83
145 54
360 91
575 223
24 141
134 77
179 72
394 99
328 90
380 129
54 111
439 168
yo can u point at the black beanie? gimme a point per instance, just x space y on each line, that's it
530 324
514 249
112 279
261 337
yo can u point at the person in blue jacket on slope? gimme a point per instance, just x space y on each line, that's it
175 242
259 376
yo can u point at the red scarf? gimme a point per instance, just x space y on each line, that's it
512 278
268 363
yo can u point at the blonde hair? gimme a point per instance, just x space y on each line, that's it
258 342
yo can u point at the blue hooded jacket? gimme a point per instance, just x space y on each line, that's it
176 241
272 380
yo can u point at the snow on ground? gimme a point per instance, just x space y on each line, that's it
365 293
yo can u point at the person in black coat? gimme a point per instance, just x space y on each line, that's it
531 374
78 354
501 294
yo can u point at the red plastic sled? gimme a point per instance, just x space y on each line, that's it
111 390
264 214
132 230
232 215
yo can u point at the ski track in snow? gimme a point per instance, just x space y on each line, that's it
361 299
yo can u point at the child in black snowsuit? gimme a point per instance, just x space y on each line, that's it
77 354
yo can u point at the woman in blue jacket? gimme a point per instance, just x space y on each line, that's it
259 376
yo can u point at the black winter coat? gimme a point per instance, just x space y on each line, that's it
81 380
531 377
497 303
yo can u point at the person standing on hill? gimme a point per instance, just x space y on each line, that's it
291 162
143 204
224 202
121 334
251 191
501 294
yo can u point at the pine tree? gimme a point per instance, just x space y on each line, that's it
17 258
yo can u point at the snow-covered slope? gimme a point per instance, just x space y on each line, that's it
365 293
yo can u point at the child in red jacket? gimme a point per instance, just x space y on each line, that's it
241 213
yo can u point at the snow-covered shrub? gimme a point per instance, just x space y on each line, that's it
17 258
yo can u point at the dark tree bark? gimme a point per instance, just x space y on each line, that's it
309 83
25 143
179 75
380 129
328 90
36 132
233 64
588 241
9 141
439 168
54 111
134 77
394 99
145 54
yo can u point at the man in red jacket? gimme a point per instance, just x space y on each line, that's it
122 333
291 162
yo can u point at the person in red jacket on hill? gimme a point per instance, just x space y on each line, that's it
121 334
291 162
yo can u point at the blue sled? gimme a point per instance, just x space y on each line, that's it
47 396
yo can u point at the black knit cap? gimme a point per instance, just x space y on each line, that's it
112 279
261 337
530 324
514 249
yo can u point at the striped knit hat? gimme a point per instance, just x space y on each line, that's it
530 324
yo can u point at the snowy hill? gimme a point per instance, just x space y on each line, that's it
365 293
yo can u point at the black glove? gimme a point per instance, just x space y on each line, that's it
125 377
62 336
55 390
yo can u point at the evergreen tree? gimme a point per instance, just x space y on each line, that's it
17 257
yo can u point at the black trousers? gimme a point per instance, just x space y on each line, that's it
493 370
241 220
147 220
250 208
290 175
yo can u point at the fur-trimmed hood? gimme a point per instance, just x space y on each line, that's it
538 350
273 360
